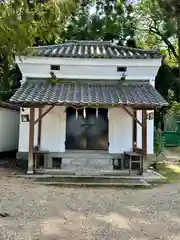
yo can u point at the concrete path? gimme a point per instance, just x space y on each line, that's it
53 213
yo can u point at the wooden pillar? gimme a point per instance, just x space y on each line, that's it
39 128
144 132
134 134
31 140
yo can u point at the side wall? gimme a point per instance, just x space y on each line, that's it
120 132
9 129
53 131
89 72
103 69
150 133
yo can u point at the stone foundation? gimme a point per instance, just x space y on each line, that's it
79 160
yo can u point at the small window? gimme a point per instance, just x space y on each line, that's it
55 67
121 69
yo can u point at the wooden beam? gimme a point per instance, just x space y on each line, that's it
130 114
134 133
31 141
44 114
39 128
144 132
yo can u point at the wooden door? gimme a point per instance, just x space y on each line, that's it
90 133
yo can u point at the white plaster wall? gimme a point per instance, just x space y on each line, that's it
88 61
120 131
52 133
23 135
106 72
150 133
9 129
139 130
54 130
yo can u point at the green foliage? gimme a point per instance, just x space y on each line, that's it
21 25
174 108
158 142
164 80
168 170
102 20
54 80
158 26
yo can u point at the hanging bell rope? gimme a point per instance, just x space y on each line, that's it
84 112
97 112
76 113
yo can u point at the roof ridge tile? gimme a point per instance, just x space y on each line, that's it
93 49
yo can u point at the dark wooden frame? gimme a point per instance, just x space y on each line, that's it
143 124
31 140
32 123
135 121
39 127
144 132
134 124
44 114
132 115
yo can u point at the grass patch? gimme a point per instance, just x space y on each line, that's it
168 170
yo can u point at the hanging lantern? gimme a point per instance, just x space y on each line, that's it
76 113
84 112
97 112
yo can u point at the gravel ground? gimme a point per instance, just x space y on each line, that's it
52 213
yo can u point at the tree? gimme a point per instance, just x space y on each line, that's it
159 26
159 20
21 26
162 84
102 20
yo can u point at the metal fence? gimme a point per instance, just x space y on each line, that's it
171 131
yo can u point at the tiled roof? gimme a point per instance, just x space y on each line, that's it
85 93
9 106
93 49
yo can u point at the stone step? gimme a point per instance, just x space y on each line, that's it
95 184
104 176
85 166
90 180
87 155
85 172
88 160
84 175
79 168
